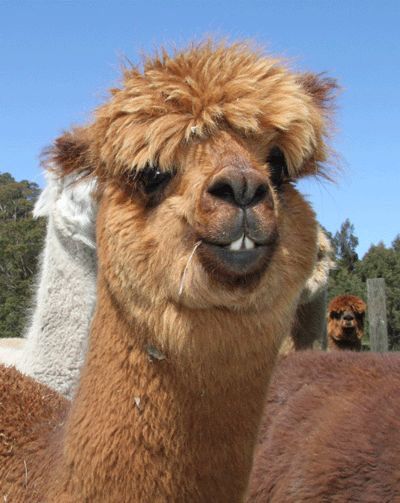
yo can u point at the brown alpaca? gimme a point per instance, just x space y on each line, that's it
204 246
346 315
331 430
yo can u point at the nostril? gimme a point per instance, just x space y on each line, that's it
242 192
259 195
222 189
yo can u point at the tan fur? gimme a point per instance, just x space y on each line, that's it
342 333
181 346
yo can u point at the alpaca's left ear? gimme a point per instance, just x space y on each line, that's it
70 154
323 90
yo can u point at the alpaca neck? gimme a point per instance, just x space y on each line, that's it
64 306
146 429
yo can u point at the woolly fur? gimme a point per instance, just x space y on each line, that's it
56 340
339 336
331 430
181 345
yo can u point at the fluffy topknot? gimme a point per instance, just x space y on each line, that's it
187 96
343 302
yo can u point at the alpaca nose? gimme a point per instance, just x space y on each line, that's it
240 187
348 316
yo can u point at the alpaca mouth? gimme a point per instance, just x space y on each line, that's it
349 329
239 262
243 243
347 334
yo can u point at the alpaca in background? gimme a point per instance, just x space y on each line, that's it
331 430
346 314
309 324
55 343
204 245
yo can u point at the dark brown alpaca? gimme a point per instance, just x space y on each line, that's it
204 246
346 315
331 430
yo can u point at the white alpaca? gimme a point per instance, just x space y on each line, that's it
55 343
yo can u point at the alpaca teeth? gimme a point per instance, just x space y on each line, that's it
243 243
249 243
237 245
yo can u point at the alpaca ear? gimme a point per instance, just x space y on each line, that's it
70 154
323 90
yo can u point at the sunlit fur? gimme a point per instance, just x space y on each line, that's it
342 333
178 100
180 426
55 340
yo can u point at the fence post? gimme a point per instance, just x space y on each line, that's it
378 335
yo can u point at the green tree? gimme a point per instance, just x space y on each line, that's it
21 239
396 243
345 243
345 278
383 262
341 282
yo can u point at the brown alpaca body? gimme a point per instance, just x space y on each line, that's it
31 416
187 327
345 319
159 436
331 430
171 435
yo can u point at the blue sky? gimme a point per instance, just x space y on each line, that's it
58 58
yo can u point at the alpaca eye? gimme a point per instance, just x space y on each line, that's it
151 179
335 315
277 167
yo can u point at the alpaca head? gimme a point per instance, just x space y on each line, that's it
196 156
346 315
318 281
71 204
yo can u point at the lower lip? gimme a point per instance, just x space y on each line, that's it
239 261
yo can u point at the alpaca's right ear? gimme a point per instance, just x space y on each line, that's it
322 89
70 154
